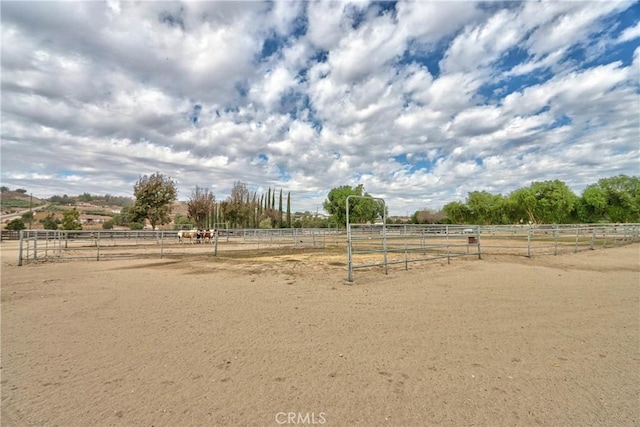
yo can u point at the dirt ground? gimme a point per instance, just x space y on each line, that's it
286 340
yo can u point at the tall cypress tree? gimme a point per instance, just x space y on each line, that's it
280 210
289 209
268 201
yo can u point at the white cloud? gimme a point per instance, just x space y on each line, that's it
630 33
421 104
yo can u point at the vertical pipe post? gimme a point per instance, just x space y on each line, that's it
349 252
406 252
20 248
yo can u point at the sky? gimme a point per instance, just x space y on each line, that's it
420 102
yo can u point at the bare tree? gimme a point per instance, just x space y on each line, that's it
200 206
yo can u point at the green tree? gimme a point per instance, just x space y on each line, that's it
457 213
154 195
183 222
85 197
16 224
360 210
4 189
71 220
107 225
122 218
592 206
49 222
289 209
28 217
548 202
622 194
486 208
280 210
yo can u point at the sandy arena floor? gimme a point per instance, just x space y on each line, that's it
287 341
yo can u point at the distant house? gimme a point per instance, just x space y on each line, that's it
92 219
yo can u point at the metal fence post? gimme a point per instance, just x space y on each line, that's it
529 242
478 238
20 249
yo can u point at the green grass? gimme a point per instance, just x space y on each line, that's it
16 203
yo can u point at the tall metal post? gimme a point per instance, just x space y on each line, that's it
349 237
20 250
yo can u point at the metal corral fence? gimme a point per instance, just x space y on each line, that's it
555 239
378 246
47 245
9 235
371 245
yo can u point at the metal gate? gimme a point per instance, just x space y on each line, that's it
366 244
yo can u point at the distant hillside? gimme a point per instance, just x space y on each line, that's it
93 199
17 200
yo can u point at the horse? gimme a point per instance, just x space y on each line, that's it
207 235
188 234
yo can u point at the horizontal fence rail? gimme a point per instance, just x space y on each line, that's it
378 246
47 245
401 246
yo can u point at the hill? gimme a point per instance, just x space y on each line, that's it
11 201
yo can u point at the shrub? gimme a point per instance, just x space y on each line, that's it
16 225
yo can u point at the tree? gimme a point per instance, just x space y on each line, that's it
360 210
427 216
182 222
280 210
28 217
4 189
154 195
289 209
622 195
49 222
71 220
592 206
548 202
107 225
200 206
16 224
486 208
236 210
123 217
85 197
457 212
